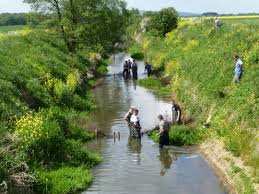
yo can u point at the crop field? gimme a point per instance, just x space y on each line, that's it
249 19
6 29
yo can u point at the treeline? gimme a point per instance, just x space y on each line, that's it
96 26
12 19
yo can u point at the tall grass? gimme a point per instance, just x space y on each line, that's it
200 59
41 85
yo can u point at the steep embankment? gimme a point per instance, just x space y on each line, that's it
42 88
200 60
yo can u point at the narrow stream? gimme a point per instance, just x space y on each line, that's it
139 166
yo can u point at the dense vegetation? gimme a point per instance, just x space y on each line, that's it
42 89
46 78
199 58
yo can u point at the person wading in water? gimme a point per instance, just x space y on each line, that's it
125 69
164 128
129 114
135 70
135 128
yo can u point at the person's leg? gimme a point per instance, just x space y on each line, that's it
124 73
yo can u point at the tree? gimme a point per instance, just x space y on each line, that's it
93 24
163 22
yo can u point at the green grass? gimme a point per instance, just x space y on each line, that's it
244 182
64 180
6 29
155 84
40 92
136 51
200 60
254 21
180 135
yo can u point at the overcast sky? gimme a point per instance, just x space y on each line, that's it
196 6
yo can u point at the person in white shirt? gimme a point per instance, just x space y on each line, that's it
135 125
238 69
129 114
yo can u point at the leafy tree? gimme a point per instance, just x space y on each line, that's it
96 25
163 22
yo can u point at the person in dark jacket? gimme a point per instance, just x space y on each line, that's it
148 69
134 68
176 113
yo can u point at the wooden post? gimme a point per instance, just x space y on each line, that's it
96 133
119 136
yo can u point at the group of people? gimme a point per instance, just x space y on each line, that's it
239 63
133 122
129 66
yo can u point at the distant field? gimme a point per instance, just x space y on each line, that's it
6 29
249 19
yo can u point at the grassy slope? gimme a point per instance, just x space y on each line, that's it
36 72
200 59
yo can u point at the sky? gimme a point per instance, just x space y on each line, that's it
195 6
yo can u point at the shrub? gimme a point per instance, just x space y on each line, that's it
63 180
180 135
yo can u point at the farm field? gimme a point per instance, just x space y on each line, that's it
6 29
249 19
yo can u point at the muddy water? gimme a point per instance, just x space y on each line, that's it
139 166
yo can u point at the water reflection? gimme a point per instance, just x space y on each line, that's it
166 158
134 146
138 166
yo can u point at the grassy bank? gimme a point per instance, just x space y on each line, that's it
156 85
43 87
200 60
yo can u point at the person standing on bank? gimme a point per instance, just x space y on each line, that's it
238 70
148 68
176 113
164 128
218 23
134 68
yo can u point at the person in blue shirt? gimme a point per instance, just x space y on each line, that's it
238 69
148 68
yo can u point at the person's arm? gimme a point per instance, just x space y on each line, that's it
126 117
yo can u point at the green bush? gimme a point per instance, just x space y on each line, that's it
155 84
180 135
64 180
